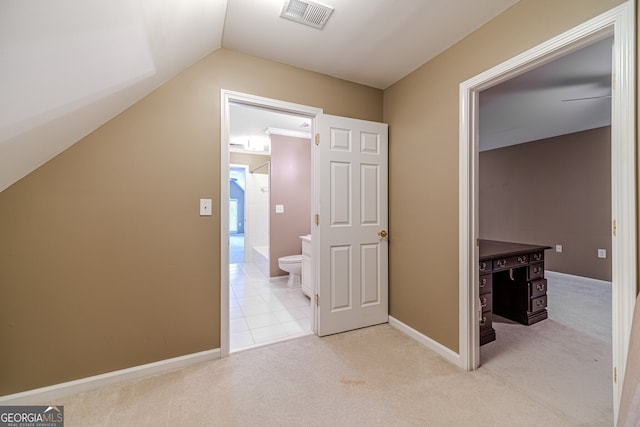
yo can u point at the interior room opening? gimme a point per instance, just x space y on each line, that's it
545 180
268 301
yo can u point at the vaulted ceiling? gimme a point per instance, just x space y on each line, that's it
68 66
567 95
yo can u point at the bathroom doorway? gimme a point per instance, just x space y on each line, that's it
333 194
270 161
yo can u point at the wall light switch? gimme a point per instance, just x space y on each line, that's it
205 207
558 248
279 208
602 253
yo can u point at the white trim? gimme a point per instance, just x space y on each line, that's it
225 125
623 191
445 352
58 391
469 297
227 97
571 277
619 21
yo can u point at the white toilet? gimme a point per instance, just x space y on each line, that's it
292 264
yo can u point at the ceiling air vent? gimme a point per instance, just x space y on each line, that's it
306 12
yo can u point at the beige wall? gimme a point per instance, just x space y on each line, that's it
105 263
251 160
290 187
422 112
549 192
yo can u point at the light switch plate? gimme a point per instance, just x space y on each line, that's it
205 207
279 208
602 253
558 248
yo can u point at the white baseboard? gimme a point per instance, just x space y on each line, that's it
445 352
554 274
50 394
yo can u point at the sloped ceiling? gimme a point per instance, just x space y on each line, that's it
570 94
68 66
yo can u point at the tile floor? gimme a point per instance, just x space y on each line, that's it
263 310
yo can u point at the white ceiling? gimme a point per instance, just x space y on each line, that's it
570 94
375 43
68 66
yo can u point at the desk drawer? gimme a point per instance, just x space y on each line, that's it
486 302
536 271
509 262
487 333
536 256
486 321
485 266
486 283
537 288
537 304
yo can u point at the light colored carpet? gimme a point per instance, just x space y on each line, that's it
581 304
565 360
557 366
544 375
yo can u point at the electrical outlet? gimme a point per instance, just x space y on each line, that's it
279 208
602 253
558 248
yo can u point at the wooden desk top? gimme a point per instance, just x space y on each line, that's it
494 248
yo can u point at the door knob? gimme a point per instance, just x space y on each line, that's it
383 234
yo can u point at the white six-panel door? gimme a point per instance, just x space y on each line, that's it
353 223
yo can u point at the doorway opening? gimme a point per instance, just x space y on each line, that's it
271 142
619 23
267 301
348 256
547 181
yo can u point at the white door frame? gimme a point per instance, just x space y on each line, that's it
226 98
619 22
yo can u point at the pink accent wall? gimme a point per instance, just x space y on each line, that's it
291 187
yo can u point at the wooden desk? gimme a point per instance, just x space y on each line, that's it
512 284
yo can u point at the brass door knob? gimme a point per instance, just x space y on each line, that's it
383 234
